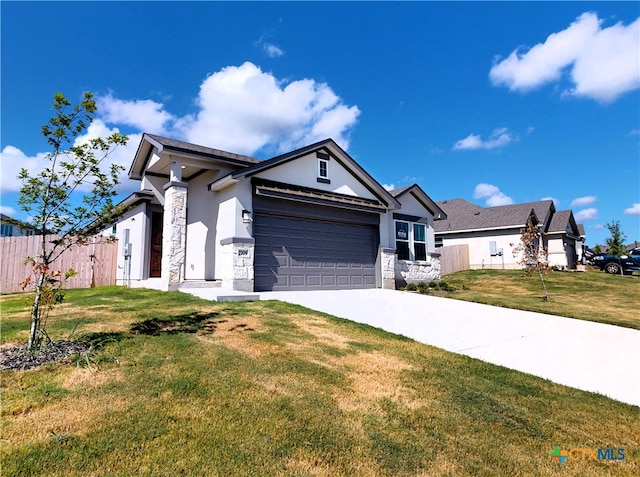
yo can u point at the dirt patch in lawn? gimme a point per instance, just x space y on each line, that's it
373 376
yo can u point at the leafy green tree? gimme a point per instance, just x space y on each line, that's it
615 243
532 255
70 198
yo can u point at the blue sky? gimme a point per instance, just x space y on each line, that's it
496 103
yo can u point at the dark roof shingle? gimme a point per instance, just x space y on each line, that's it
464 216
195 148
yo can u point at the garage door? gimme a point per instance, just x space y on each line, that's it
302 253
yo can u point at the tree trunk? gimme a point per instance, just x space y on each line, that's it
35 316
544 285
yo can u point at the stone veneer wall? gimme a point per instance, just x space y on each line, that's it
388 268
174 233
237 255
414 272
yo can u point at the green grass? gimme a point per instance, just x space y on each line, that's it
195 388
591 296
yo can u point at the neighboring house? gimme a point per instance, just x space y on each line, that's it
564 240
493 232
309 219
10 227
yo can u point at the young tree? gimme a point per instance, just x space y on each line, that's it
533 256
69 198
615 243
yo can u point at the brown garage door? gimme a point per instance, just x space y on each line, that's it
302 253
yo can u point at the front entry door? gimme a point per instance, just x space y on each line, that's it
155 259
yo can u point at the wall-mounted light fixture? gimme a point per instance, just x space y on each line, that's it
246 217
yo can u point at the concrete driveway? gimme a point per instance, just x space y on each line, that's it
581 354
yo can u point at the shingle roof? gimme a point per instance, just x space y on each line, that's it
397 192
463 215
581 230
561 220
207 151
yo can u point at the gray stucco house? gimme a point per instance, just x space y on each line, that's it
309 219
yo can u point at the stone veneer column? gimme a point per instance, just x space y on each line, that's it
174 233
237 263
388 268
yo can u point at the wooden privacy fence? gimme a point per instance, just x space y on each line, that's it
95 263
454 258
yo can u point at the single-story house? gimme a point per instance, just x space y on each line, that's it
493 232
10 227
564 240
309 219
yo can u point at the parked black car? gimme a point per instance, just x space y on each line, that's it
627 263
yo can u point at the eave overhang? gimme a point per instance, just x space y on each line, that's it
278 190
196 160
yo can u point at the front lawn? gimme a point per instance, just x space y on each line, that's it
183 386
591 296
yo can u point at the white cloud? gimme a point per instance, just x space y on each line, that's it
389 186
145 114
499 138
634 132
243 109
119 155
484 190
555 201
13 159
633 210
583 201
494 197
586 214
272 50
604 63
6 210
499 199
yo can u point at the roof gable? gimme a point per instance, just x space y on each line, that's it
421 196
327 146
564 222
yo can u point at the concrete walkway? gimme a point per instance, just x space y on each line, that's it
581 354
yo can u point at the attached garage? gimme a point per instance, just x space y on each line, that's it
313 243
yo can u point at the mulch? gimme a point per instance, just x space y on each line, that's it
16 356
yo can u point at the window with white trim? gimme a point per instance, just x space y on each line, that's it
411 241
